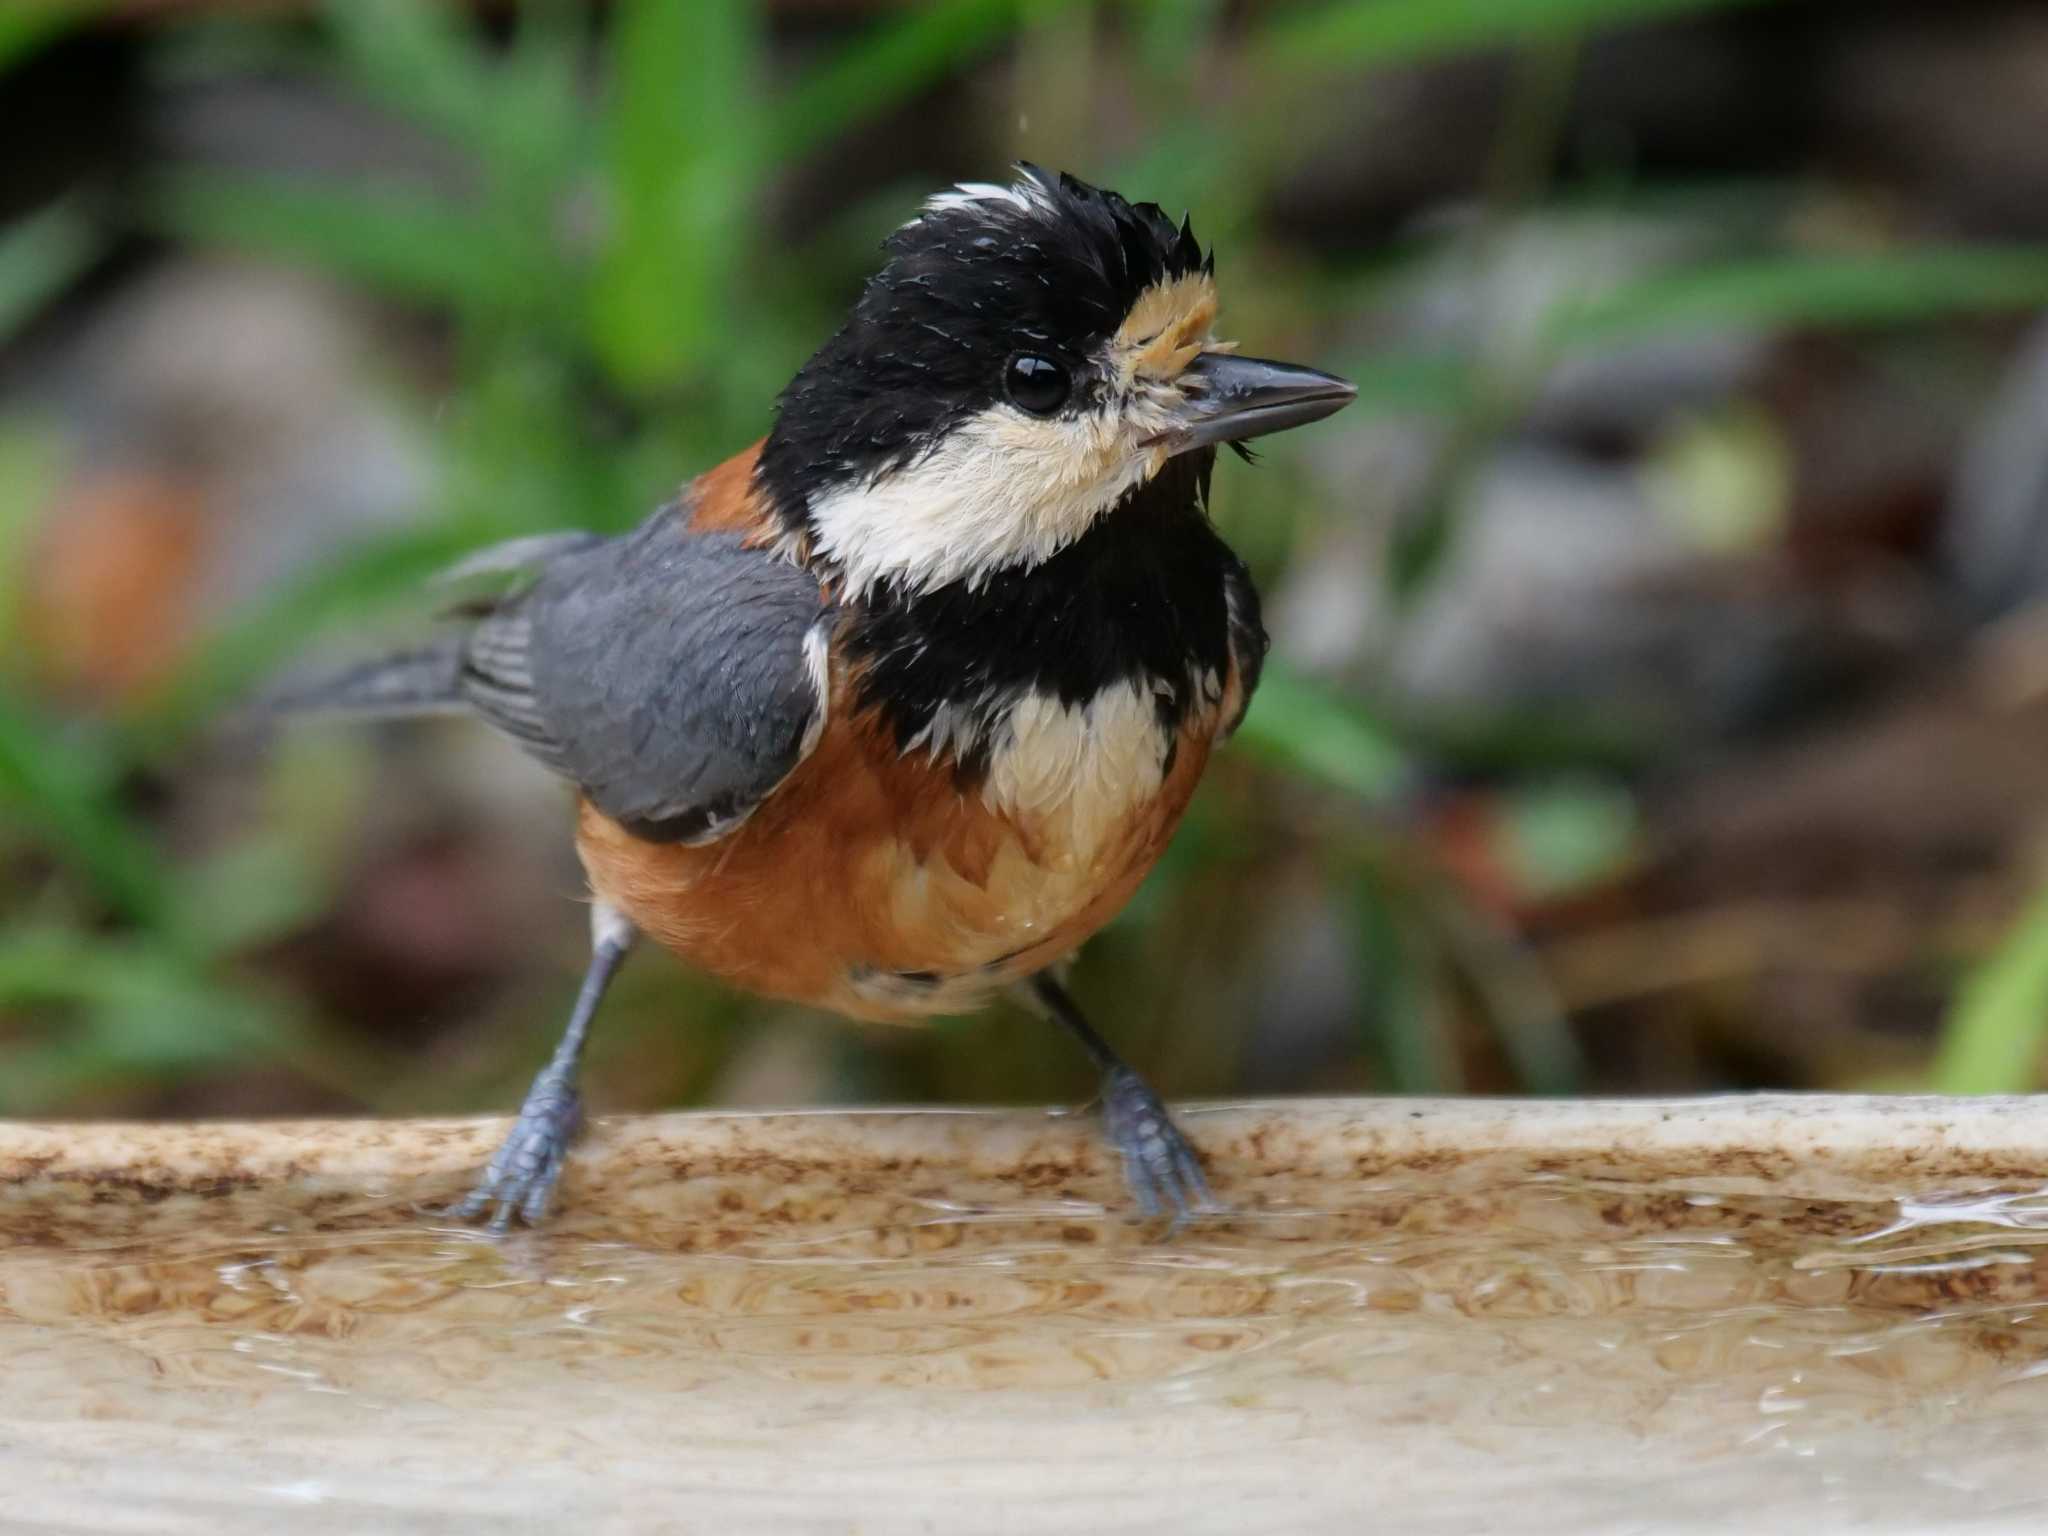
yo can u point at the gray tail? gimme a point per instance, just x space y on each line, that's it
427 681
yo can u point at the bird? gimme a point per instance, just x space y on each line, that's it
890 711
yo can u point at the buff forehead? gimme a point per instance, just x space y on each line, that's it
1167 329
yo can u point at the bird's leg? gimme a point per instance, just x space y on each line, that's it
1160 1165
522 1175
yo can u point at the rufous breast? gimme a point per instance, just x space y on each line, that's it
881 884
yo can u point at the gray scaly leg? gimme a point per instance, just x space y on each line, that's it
522 1175
1160 1164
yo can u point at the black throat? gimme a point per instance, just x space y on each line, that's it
1139 598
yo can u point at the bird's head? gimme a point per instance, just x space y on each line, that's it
1028 360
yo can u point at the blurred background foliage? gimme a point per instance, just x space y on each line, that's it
1660 695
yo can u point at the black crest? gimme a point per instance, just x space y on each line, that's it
1050 265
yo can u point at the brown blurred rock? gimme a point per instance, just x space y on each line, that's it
223 436
109 611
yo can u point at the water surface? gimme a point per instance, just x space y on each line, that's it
931 1322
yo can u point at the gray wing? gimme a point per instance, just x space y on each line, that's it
675 677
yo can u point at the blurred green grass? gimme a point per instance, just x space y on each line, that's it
622 307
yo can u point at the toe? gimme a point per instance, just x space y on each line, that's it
1142 1181
1192 1180
521 1178
1161 1168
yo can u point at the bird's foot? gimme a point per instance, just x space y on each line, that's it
522 1175
1160 1165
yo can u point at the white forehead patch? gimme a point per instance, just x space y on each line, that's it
1001 489
1026 196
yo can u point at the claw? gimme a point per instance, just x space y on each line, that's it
523 1173
1160 1164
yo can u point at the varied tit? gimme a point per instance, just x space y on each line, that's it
889 712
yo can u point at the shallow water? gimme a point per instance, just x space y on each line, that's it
1475 1335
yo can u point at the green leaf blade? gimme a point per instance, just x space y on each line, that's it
1309 730
39 257
400 242
682 167
1831 291
1993 1037
1352 33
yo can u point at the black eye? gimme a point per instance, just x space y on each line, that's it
1036 384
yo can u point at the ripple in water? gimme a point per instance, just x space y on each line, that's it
1529 1354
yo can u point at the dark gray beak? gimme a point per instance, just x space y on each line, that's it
1231 398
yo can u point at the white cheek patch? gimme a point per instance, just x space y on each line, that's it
1002 489
1079 768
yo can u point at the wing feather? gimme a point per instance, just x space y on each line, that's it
672 675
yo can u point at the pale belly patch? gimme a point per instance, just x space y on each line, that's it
1072 801
1072 773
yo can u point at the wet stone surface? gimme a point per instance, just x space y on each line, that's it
1495 1318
